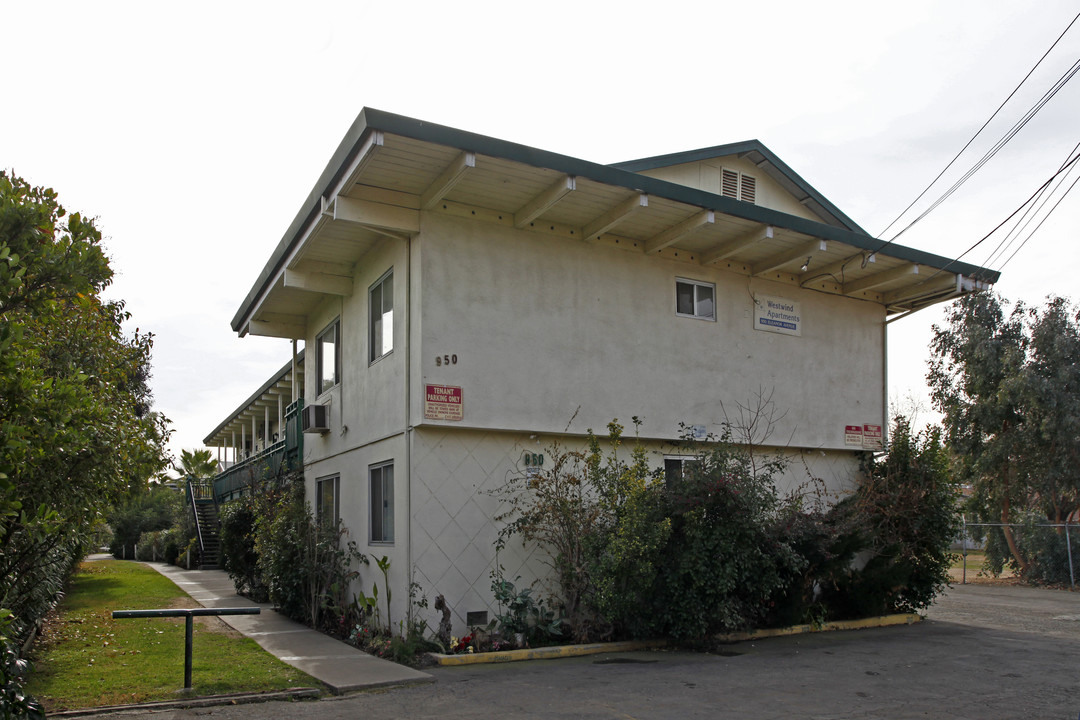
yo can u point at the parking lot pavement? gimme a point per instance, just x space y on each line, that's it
962 667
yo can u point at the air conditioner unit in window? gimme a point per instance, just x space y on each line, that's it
316 419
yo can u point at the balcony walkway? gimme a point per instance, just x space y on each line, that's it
339 666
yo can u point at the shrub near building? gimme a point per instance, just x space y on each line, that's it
717 548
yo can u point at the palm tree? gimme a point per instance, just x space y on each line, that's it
197 463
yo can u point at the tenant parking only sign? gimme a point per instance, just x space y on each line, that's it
442 402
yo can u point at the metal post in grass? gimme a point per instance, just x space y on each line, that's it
189 628
963 546
189 632
1068 547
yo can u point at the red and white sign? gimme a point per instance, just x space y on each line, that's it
872 438
443 402
853 436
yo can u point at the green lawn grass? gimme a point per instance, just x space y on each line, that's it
87 659
975 560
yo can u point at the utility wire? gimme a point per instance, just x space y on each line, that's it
1004 140
1044 219
979 242
977 133
1030 214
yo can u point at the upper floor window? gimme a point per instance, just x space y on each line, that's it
328 350
695 299
381 315
740 186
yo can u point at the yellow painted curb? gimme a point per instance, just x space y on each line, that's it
545 653
870 622
562 651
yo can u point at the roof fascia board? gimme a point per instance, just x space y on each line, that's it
370 119
429 132
740 148
688 156
311 208
274 379
451 137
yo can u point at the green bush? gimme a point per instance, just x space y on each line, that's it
901 521
151 545
551 508
42 559
190 555
728 561
14 702
238 554
627 544
171 545
1045 548
306 566
157 508
718 549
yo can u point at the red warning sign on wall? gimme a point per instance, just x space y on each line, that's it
872 438
443 402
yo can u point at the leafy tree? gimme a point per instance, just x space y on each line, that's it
974 371
156 508
1008 384
903 518
197 463
76 429
1051 392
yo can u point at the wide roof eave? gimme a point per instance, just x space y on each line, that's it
371 119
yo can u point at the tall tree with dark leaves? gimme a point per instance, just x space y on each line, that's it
974 377
76 427
1008 385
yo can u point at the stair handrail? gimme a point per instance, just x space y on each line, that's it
191 482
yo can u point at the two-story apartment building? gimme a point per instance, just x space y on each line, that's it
464 300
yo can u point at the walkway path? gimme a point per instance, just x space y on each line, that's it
339 666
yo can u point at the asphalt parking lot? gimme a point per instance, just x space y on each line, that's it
984 652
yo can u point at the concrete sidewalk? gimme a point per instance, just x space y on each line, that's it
339 666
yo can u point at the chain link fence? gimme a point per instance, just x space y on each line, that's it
966 541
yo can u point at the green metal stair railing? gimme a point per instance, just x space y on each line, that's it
284 455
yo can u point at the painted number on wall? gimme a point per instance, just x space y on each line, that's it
441 360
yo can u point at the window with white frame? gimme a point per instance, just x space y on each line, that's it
676 467
327 492
381 316
328 362
382 502
695 299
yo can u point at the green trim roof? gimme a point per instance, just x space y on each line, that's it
761 156
618 175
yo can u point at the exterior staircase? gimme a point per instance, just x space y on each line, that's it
209 543
207 525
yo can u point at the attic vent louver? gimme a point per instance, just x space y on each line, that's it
748 191
734 184
730 183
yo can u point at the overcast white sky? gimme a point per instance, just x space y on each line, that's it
193 131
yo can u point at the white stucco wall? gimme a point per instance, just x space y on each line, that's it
367 418
545 330
545 327
454 530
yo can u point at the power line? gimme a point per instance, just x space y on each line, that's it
1001 224
1004 140
977 133
1044 219
1030 214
